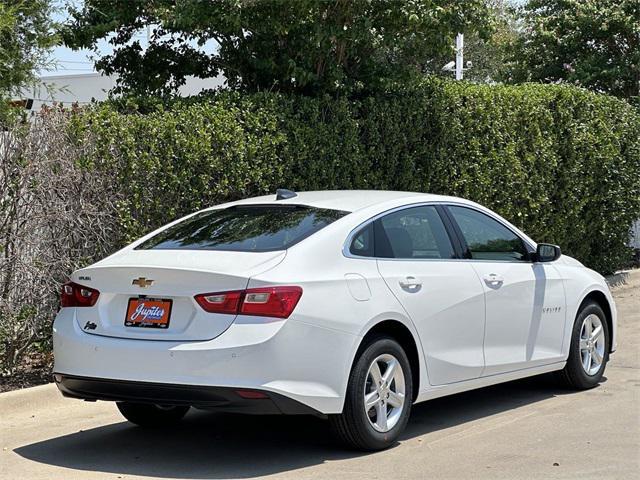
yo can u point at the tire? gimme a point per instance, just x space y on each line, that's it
574 374
152 416
356 427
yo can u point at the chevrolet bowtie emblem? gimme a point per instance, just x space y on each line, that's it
142 282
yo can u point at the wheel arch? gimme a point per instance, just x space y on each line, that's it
403 335
601 299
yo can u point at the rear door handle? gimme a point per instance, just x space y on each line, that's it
493 280
411 284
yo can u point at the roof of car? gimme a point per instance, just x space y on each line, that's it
347 200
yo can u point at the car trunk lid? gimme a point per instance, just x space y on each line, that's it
142 283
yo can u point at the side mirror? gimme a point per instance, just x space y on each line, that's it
547 252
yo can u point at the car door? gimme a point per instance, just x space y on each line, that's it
441 294
525 301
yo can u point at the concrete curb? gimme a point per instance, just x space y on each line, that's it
32 398
621 278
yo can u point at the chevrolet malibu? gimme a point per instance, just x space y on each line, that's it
349 305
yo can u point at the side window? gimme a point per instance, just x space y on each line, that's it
487 238
416 232
362 243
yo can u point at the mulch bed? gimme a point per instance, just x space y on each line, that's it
35 370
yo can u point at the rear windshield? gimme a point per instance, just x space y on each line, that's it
244 229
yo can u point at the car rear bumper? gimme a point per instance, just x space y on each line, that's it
198 396
305 363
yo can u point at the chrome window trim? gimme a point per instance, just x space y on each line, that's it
347 245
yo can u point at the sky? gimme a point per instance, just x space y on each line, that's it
64 61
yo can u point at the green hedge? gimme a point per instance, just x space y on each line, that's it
561 163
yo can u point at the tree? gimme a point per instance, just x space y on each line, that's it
592 43
309 46
26 35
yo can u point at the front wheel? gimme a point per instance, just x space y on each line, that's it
589 349
149 415
379 397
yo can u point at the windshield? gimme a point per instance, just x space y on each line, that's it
251 228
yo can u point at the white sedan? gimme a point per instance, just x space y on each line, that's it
350 305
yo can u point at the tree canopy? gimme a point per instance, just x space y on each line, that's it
308 46
592 43
26 35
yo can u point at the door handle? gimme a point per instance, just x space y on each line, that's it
493 280
410 283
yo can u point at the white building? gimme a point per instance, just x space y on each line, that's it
84 88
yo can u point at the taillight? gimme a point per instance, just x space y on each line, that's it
277 302
222 302
75 295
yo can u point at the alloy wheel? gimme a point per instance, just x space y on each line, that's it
592 344
384 392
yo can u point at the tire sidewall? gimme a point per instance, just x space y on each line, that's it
575 359
376 348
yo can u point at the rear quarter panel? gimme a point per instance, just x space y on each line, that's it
329 299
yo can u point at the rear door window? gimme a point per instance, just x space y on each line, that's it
413 233
250 228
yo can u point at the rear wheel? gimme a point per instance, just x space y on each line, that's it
589 349
379 396
149 415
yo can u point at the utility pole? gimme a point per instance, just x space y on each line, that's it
457 66
459 55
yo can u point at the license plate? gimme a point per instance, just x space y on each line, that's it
148 313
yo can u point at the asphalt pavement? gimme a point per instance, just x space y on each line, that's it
520 430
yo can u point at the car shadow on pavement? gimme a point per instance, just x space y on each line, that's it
213 445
